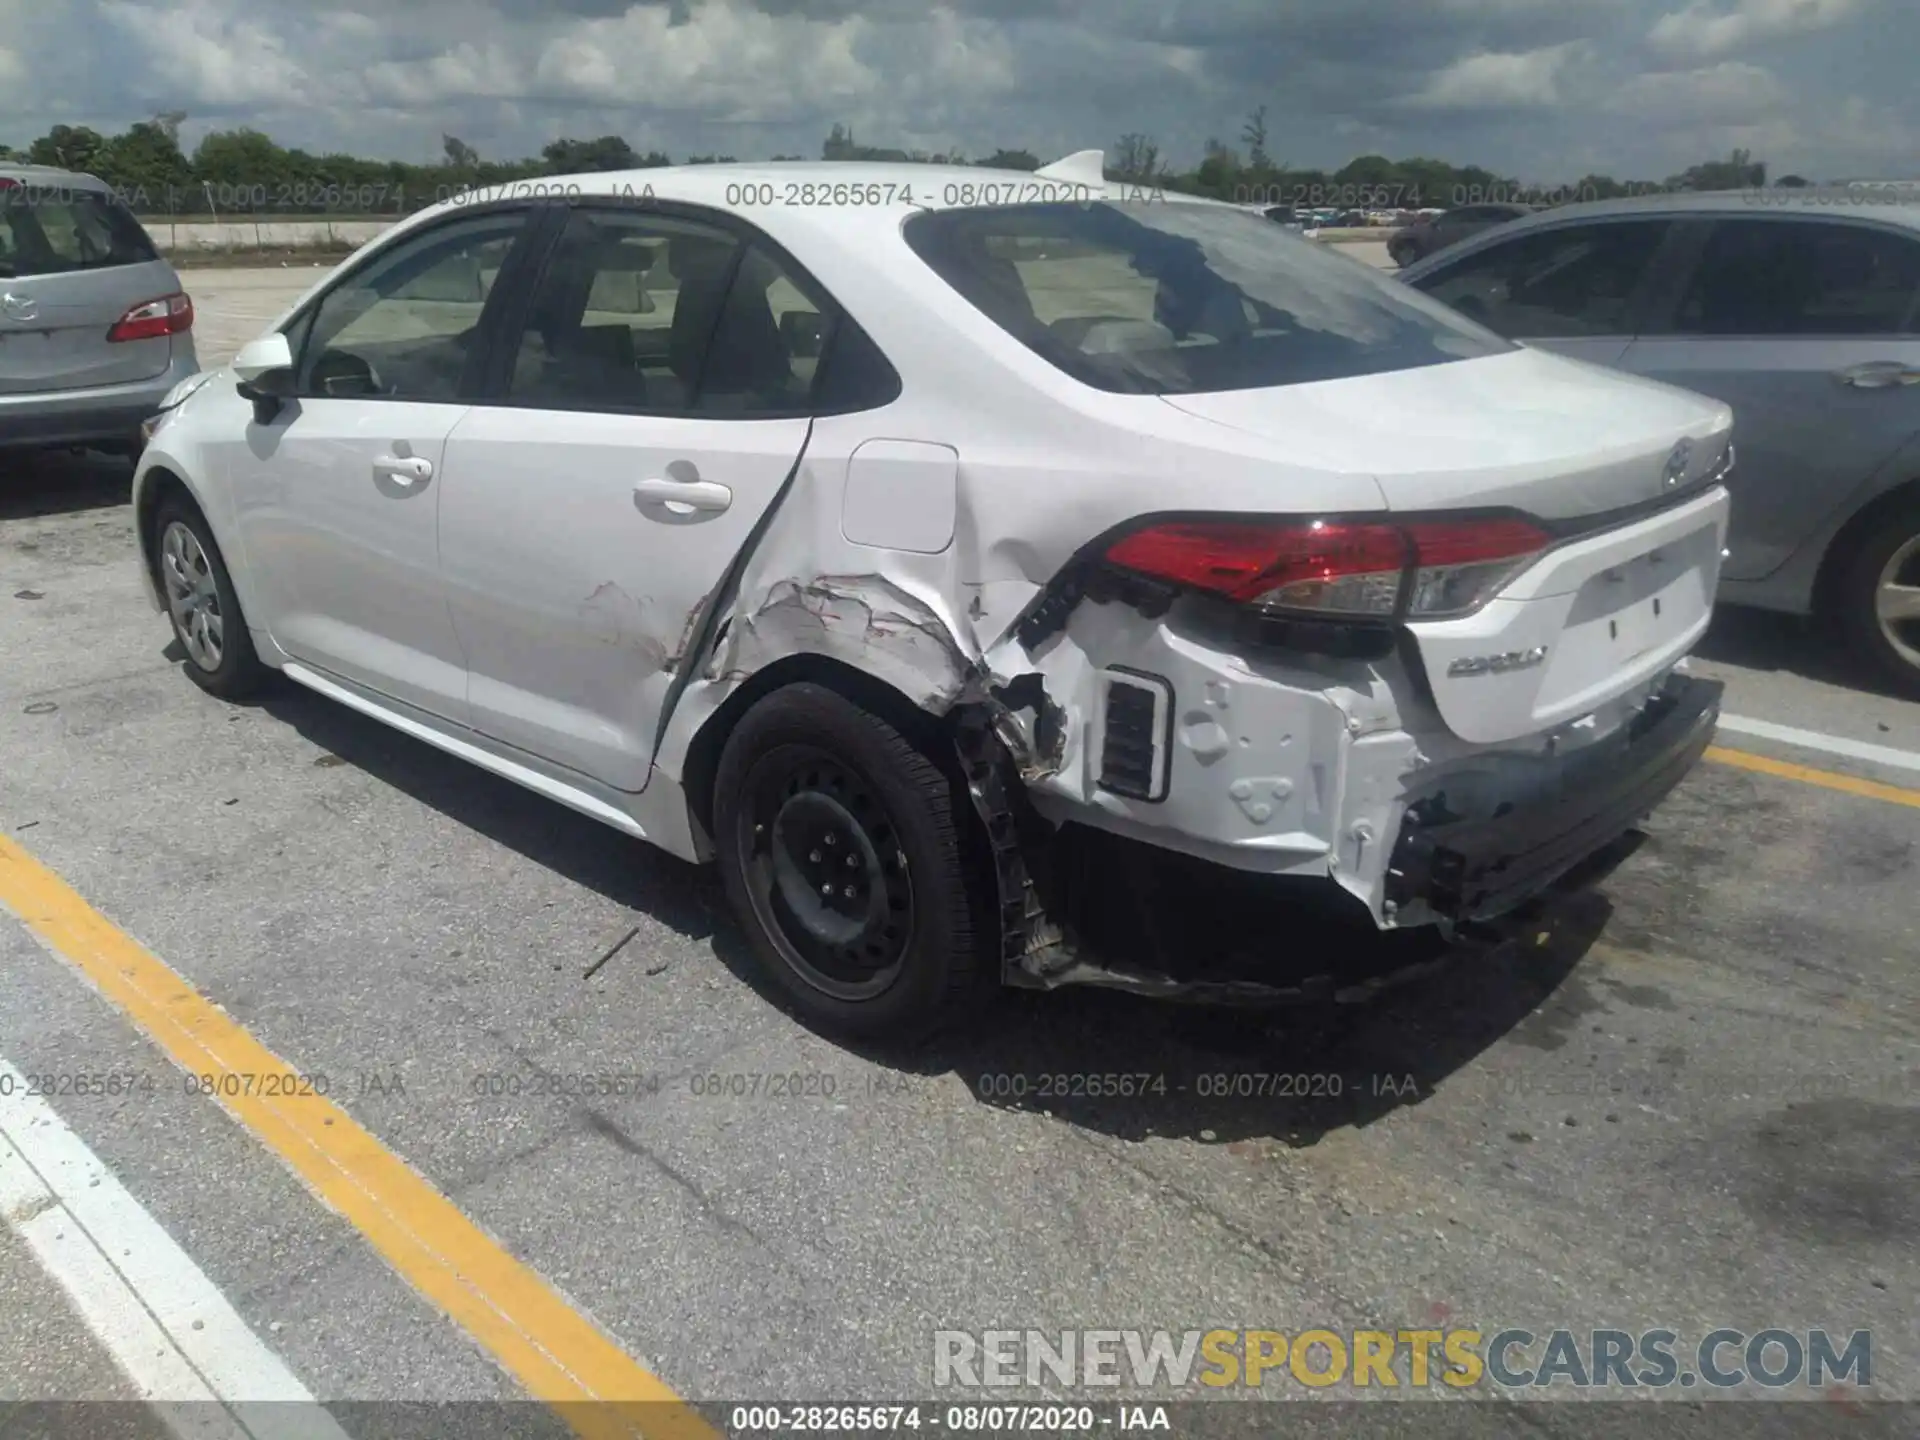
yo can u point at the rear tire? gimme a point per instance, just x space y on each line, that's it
201 604
847 858
1877 599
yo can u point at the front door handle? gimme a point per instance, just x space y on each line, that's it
407 469
683 497
1880 375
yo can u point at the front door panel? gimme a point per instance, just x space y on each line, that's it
348 524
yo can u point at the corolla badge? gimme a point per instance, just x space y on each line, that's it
1498 664
18 307
1678 463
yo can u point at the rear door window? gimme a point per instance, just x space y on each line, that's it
621 314
1170 298
646 312
1801 277
56 230
1561 283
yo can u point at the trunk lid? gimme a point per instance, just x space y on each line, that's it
1590 620
72 262
1555 437
1602 610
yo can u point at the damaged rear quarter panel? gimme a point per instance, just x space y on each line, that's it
1058 466
1262 756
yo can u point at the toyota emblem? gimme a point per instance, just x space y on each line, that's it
18 307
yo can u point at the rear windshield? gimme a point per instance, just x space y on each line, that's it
49 231
1169 298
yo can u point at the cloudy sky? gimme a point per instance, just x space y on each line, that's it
1543 90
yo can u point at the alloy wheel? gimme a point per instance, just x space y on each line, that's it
1896 601
193 598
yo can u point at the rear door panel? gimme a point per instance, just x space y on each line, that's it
571 592
572 572
1808 440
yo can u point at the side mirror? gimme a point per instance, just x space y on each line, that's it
803 332
265 368
259 358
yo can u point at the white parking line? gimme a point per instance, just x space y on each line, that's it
182 1345
1814 740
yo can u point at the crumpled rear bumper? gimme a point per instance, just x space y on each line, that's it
1466 870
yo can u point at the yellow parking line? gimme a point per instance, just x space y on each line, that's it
1825 779
558 1354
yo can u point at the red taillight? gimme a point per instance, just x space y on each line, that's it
1337 568
1251 561
169 315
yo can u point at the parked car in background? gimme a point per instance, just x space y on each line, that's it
1436 232
1804 316
1287 215
930 564
95 330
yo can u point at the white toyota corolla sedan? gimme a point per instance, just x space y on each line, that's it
1007 578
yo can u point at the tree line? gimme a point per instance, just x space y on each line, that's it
244 171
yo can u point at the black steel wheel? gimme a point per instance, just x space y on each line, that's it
827 874
847 857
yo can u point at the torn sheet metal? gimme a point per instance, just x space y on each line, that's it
869 621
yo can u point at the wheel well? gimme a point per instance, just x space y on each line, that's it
875 696
1863 523
160 484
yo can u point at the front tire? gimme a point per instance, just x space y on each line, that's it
201 604
846 856
1877 600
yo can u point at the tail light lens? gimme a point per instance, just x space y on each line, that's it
1335 569
1459 566
169 315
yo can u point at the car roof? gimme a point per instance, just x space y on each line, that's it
840 240
817 207
50 175
1833 200
931 187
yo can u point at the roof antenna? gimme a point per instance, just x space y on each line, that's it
1084 167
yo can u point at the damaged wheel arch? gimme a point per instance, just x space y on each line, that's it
703 754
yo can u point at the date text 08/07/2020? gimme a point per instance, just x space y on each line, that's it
946 1420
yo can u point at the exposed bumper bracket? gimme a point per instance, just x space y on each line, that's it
1477 869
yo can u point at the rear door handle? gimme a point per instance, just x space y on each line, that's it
1880 375
683 497
407 469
